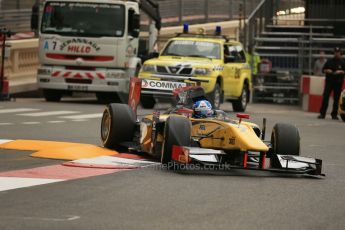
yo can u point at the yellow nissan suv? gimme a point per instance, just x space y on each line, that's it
215 62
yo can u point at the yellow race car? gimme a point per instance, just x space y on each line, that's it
180 140
341 109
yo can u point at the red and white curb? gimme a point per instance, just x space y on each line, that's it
8 183
312 89
110 162
71 170
45 175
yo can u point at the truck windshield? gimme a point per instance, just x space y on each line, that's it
189 48
83 19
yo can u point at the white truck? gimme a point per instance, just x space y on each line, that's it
92 46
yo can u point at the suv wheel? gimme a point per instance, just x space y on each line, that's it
216 96
241 103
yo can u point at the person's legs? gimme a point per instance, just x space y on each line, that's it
325 98
337 86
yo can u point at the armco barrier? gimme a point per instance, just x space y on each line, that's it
312 90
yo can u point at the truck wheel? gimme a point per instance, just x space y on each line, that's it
122 98
147 102
177 132
107 98
216 97
342 117
52 95
118 125
240 104
285 139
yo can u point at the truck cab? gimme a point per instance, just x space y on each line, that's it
88 46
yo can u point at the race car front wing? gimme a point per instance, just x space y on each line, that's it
288 164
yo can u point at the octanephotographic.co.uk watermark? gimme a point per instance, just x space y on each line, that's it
194 166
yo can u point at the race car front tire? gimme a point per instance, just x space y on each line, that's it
177 132
118 125
285 139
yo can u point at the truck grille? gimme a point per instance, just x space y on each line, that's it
186 71
175 70
80 81
161 69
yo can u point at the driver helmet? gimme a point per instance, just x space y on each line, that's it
202 109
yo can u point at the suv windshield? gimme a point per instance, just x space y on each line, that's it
83 19
188 48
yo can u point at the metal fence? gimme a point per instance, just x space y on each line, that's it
16 20
16 4
16 14
175 12
264 13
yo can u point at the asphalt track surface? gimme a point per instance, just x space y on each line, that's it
153 198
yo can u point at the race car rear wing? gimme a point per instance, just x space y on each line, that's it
134 93
181 94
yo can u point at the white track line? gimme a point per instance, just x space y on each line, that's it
2 124
3 141
67 218
31 123
7 183
55 122
20 110
50 113
84 116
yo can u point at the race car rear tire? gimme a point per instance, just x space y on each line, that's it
342 116
52 95
285 139
177 132
216 97
147 102
118 125
241 103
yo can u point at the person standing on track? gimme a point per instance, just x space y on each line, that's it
334 69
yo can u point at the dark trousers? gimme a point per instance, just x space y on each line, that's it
333 83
